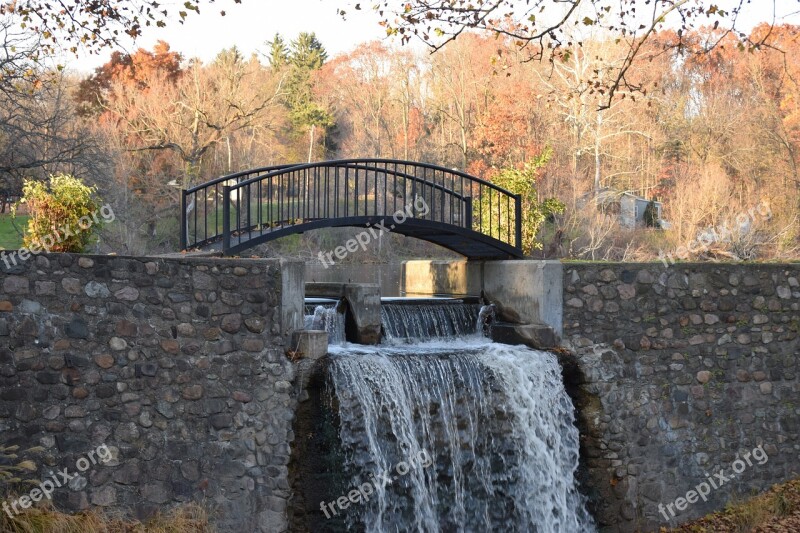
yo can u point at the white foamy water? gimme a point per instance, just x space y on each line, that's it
495 420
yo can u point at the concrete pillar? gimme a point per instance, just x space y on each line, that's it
363 320
526 292
292 297
363 317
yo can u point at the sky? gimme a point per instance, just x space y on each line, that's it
253 22
250 24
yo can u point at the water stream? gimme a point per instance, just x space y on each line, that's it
441 430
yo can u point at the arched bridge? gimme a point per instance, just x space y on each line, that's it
461 212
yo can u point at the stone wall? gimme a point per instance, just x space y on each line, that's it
680 372
176 365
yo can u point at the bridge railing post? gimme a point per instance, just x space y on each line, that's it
184 221
518 221
468 212
226 219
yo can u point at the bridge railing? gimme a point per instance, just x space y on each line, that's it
201 207
277 198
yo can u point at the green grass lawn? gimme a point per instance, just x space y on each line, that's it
10 239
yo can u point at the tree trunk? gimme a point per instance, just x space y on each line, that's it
311 143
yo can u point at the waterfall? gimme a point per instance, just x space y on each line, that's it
326 318
426 321
456 436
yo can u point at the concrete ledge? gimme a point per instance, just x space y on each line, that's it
325 290
309 344
537 336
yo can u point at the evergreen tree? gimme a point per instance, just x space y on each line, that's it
307 55
278 52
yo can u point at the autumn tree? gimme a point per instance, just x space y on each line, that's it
548 30
38 135
131 69
196 111
92 26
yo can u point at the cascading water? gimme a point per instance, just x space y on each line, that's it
458 434
326 317
426 321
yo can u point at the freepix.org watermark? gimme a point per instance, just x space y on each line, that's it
56 480
417 208
702 490
363 493
46 243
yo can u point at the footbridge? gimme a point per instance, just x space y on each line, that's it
463 213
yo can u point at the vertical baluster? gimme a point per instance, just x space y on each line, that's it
184 221
518 221
385 185
205 212
326 195
248 199
394 189
481 207
336 192
194 213
226 219
441 201
260 219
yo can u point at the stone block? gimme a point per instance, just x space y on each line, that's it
310 344
536 336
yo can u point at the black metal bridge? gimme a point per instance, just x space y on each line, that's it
461 212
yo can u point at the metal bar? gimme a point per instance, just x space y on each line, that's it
195 215
385 185
394 190
441 195
248 199
336 192
326 202
184 221
239 214
468 212
205 213
226 219
518 221
491 214
260 209
413 192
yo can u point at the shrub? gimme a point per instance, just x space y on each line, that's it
58 212
534 212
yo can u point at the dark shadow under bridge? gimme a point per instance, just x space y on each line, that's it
450 208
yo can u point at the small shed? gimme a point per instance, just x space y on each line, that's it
628 207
